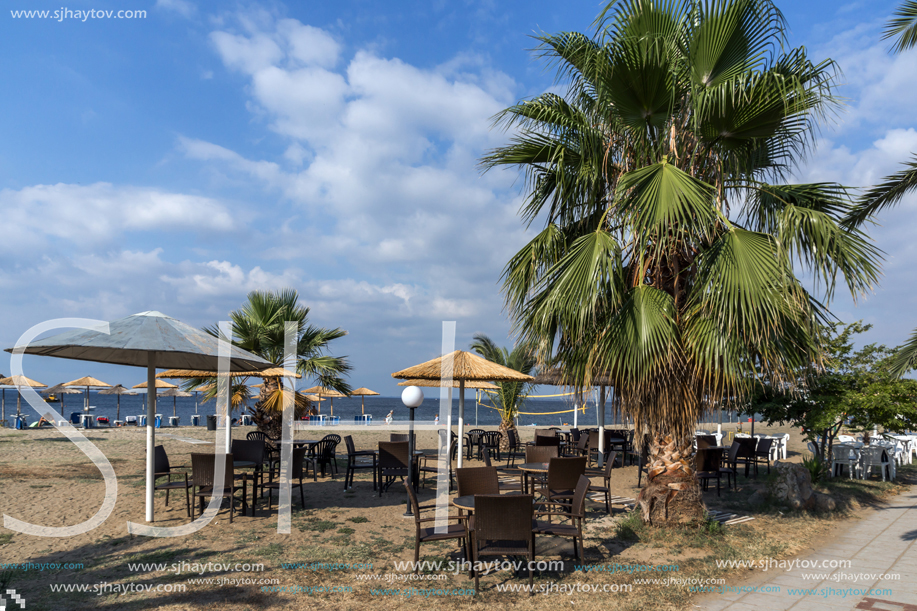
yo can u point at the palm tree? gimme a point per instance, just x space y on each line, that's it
903 25
259 327
667 256
510 395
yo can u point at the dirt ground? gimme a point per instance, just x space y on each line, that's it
46 480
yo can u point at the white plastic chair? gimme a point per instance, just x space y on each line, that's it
842 455
875 456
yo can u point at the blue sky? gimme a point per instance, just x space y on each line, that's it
176 162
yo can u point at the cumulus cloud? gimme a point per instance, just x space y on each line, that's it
90 215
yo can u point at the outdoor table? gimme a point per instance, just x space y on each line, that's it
531 467
467 502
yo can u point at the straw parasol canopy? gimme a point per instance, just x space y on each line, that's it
87 382
465 367
455 384
363 392
118 391
60 389
321 391
19 381
273 372
174 392
159 384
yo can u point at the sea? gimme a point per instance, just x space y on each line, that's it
541 412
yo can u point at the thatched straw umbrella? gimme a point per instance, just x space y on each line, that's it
174 392
117 391
87 382
19 381
466 367
321 391
363 392
60 389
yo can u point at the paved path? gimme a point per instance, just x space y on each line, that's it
880 545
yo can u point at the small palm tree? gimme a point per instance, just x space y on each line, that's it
511 395
259 327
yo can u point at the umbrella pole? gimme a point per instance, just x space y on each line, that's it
174 413
601 457
461 422
18 402
117 414
150 432
362 404
3 406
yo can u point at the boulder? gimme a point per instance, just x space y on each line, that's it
757 498
824 503
792 486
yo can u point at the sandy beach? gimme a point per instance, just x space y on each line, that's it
48 481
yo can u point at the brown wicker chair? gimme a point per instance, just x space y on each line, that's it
563 475
705 441
202 475
393 463
363 459
477 480
299 455
162 467
425 534
505 485
430 464
250 450
707 467
515 448
606 475
553 440
503 526
574 510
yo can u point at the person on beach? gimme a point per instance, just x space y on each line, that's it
389 417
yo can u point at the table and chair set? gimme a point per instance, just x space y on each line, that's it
860 459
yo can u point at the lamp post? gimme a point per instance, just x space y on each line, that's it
412 397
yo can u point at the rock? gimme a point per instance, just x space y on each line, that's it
824 503
792 486
757 498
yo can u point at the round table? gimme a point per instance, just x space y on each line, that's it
531 467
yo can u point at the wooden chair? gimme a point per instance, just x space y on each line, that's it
574 510
430 464
503 526
161 467
477 480
203 478
299 455
363 459
426 534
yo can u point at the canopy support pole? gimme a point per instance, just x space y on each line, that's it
461 421
150 432
601 457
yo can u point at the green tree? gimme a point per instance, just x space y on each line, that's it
903 28
670 239
854 388
510 395
259 327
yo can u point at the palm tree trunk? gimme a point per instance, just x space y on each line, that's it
672 494
505 425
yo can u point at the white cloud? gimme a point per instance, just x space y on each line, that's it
182 7
88 215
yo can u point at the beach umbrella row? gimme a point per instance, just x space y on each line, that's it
19 381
